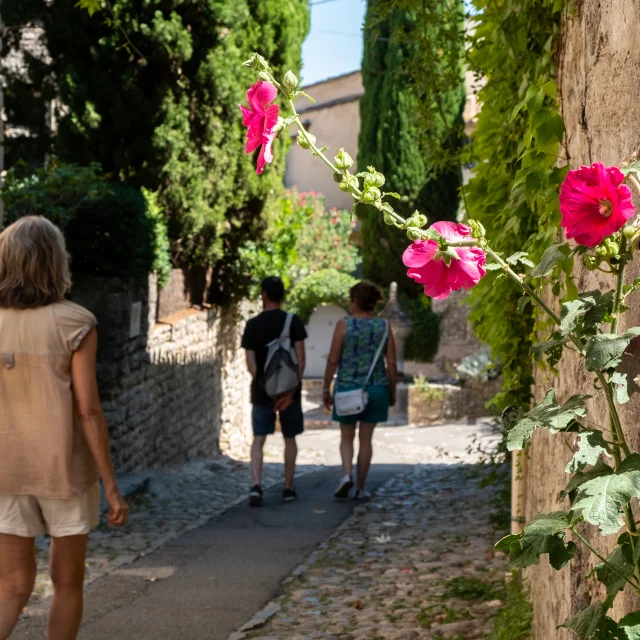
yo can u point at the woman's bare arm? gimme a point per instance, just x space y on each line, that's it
94 424
333 360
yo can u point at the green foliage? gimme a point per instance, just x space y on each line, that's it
513 192
471 589
169 121
397 113
111 230
515 619
548 414
161 245
422 342
427 392
301 238
323 287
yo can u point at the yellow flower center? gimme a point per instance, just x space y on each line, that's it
605 208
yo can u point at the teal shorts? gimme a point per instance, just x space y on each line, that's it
377 409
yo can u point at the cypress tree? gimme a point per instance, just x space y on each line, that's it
392 138
153 99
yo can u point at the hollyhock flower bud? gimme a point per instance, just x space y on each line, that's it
337 177
371 194
264 76
591 262
343 160
302 141
349 183
440 276
594 203
630 232
414 234
373 178
290 80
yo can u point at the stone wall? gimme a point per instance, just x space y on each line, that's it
601 107
173 388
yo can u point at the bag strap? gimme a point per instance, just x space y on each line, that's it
286 330
378 353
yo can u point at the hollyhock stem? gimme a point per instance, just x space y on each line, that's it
634 181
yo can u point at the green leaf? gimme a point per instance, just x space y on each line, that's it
90 5
492 266
630 624
543 535
592 623
600 469
548 414
632 167
520 256
554 254
550 88
552 348
601 310
590 447
600 499
605 351
522 304
617 563
625 386
393 194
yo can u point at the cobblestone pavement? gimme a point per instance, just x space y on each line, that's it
166 504
415 563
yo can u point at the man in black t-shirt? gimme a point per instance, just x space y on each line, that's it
259 332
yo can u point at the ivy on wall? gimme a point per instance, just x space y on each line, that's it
516 178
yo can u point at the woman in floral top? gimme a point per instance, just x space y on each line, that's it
356 341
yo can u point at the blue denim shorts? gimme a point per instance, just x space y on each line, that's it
263 418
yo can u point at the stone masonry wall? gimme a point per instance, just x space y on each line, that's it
600 99
172 389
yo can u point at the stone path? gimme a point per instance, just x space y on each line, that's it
165 505
416 563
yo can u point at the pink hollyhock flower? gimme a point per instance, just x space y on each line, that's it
260 119
428 267
594 203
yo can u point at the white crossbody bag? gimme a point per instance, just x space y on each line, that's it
350 403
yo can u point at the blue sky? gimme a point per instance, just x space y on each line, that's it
334 44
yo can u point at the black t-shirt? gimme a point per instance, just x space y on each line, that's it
259 332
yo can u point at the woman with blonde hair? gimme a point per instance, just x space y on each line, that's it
54 442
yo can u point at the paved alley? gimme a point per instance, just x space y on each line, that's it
195 562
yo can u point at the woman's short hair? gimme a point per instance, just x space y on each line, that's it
34 264
366 295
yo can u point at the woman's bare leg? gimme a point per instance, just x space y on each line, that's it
67 574
347 436
17 577
365 452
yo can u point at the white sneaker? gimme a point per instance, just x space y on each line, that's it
362 494
345 487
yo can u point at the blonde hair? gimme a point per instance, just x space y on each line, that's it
34 264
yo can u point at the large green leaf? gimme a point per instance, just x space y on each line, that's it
630 624
551 348
554 254
605 351
609 573
543 535
600 469
591 446
548 414
591 307
592 623
600 499
625 386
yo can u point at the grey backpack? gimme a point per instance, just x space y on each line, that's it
281 367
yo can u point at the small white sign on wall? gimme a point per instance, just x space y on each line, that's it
135 323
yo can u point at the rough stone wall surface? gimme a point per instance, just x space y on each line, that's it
600 98
176 391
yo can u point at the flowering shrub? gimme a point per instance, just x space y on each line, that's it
598 213
301 238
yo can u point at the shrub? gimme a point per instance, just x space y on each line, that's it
168 122
111 229
328 286
301 238
422 343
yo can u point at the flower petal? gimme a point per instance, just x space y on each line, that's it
419 253
260 95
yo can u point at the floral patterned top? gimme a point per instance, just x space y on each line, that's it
358 351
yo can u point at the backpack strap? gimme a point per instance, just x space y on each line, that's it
378 353
286 330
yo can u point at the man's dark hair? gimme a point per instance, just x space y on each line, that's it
273 288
